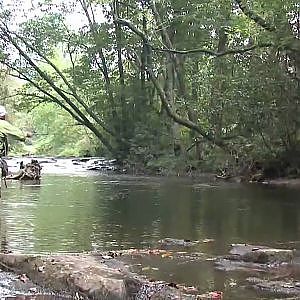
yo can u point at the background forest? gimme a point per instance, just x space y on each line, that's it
164 86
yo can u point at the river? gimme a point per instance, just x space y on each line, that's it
74 210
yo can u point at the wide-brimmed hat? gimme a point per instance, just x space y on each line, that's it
3 111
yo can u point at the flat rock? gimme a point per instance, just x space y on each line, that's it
260 254
237 265
90 276
290 287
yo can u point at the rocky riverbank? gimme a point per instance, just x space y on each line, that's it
98 276
110 275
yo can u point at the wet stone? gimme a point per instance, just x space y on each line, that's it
290 287
90 275
95 164
260 254
15 287
169 242
235 265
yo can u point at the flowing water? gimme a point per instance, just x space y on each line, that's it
72 210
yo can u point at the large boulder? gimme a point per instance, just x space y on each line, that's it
92 277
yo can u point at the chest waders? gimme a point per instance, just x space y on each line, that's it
3 163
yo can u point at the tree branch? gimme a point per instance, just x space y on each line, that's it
255 17
104 68
70 87
191 51
214 53
50 96
171 113
177 118
50 82
138 32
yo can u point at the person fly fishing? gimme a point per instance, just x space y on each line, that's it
7 130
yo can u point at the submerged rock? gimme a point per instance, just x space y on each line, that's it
177 242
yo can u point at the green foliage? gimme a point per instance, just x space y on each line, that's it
58 134
39 32
244 102
54 133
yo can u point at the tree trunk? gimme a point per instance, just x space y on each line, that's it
218 88
124 120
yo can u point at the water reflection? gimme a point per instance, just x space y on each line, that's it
3 236
73 214
84 213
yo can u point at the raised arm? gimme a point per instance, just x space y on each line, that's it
11 130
